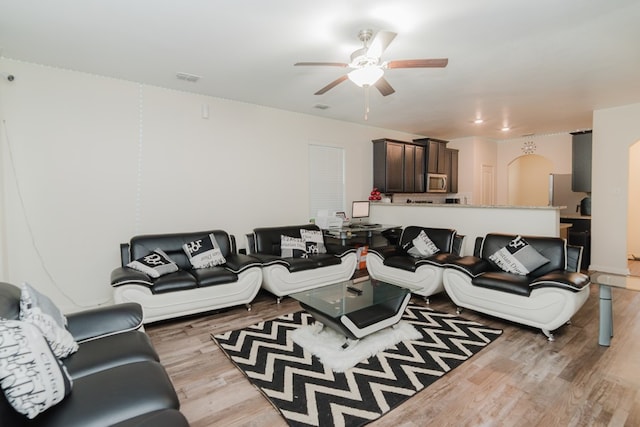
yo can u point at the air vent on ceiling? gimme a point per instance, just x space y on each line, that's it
188 77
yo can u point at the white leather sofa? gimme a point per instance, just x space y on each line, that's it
546 298
188 290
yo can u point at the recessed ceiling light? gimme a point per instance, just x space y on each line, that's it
321 106
505 128
478 121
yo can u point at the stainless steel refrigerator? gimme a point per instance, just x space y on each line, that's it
560 194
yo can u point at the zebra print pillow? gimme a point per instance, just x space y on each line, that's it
31 376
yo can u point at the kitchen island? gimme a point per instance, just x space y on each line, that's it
472 220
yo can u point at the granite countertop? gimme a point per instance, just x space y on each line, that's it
455 205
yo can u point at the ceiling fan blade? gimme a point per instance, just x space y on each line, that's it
384 87
328 64
380 42
419 63
331 85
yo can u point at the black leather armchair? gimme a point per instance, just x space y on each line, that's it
285 275
117 379
422 275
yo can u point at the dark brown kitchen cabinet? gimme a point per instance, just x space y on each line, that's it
451 162
398 167
581 162
436 152
413 168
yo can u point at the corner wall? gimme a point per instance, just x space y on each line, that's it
614 131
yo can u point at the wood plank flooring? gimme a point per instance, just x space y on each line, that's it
519 380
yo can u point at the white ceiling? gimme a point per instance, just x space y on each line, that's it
539 66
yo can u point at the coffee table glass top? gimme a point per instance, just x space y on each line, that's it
350 296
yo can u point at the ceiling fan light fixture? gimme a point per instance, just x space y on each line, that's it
365 76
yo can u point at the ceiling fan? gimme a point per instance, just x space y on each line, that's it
367 66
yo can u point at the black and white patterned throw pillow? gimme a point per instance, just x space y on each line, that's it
204 252
518 257
155 264
31 376
314 241
39 310
422 246
292 247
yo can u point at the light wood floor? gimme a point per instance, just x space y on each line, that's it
519 380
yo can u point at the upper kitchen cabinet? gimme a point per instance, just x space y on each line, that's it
398 167
581 161
436 154
451 162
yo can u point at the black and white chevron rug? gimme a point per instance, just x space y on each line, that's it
308 394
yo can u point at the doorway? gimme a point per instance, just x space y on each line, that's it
487 195
528 181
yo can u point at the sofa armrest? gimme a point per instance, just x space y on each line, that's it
268 259
237 263
339 251
126 275
103 321
387 251
568 280
470 265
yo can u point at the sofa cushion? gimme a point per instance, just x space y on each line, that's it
177 281
204 252
518 257
325 260
31 376
154 264
292 247
214 276
114 395
311 262
314 241
108 352
421 246
39 310
505 282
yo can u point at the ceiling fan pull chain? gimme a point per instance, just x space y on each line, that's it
366 103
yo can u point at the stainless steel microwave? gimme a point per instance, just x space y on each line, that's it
436 183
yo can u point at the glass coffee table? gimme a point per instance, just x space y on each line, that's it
356 308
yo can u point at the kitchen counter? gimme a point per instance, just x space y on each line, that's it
455 205
471 220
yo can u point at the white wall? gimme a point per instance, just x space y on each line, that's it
633 218
97 160
614 131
